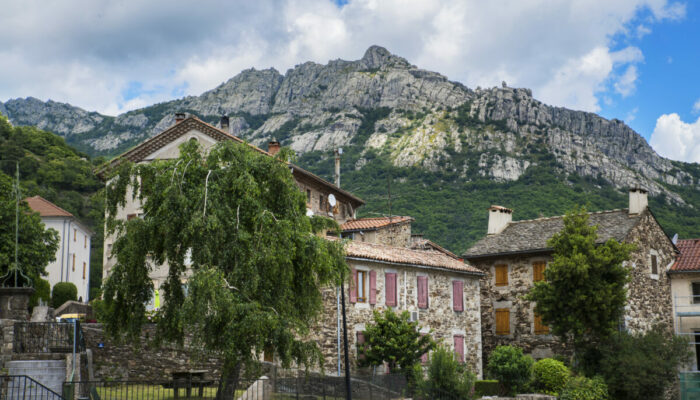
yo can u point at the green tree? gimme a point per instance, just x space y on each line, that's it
42 291
394 339
36 245
63 292
447 377
258 263
511 367
583 294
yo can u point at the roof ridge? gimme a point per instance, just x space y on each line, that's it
562 216
50 204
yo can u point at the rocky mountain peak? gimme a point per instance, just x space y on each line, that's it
378 56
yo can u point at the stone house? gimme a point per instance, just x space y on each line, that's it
440 292
685 288
514 254
320 194
72 263
391 231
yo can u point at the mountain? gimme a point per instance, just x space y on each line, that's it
447 151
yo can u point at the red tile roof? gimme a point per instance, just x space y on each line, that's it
689 259
46 208
372 223
426 244
402 255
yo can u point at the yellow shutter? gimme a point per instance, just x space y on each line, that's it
540 328
538 270
501 275
502 321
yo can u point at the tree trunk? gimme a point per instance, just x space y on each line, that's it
228 383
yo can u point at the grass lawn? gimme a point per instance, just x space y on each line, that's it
152 392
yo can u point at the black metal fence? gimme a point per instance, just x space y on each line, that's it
47 337
22 387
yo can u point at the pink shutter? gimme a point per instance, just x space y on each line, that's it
458 295
459 347
372 287
390 284
360 341
353 287
422 292
424 357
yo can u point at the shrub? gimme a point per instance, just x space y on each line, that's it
447 375
511 367
582 388
42 291
62 292
550 376
486 388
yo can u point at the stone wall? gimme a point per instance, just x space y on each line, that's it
438 318
394 235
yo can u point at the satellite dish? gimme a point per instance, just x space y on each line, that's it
675 239
331 200
309 213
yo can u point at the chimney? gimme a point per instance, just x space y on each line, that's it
499 218
179 117
224 123
638 200
273 147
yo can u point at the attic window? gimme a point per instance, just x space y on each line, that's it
654 265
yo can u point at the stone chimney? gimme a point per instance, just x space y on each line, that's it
224 123
638 200
499 218
273 147
179 117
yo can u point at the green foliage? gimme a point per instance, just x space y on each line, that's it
550 376
584 292
488 387
42 291
36 245
446 375
98 309
258 265
510 367
63 292
582 388
369 117
394 339
637 366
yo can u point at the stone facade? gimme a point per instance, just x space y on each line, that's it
439 318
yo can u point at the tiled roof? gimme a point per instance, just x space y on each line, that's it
689 259
532 235
402 255
46 208
372 223
427 245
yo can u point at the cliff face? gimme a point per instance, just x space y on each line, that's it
383 106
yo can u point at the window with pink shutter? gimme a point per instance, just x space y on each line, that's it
458 295
390 284
422 292
372 287
459 347
353 287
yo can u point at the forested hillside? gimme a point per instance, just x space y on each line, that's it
50 168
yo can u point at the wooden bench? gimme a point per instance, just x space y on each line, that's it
188 380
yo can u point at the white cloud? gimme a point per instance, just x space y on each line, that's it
632 115
675 139
562 49
696 106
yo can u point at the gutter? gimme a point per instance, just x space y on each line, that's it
506 253
419 266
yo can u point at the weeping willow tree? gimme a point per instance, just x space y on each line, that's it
232 223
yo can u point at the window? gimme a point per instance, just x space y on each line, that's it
422 292
85 242
268 354
501 275
538 268
458 295
696 292
540 328
84 268
360 344
459 347
361 290
308 196
390 284
73 262
654 266
321 202
502 321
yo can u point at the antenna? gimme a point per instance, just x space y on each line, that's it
675 239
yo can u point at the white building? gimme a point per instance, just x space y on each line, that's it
685 286
72 262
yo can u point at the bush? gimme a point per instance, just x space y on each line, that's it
486 388
62 292
511 367
582 388
42 291
98 309
447 375
550 376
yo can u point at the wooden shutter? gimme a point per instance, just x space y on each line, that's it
359 344
502 275
458 295
540 328
390 283
353 287
422 292
459 347
84 268
538 270
372 287
502 321
73 268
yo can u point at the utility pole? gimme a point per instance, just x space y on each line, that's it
338 152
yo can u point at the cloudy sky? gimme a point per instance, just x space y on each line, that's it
635 60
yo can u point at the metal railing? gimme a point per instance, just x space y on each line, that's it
48 337
22 387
